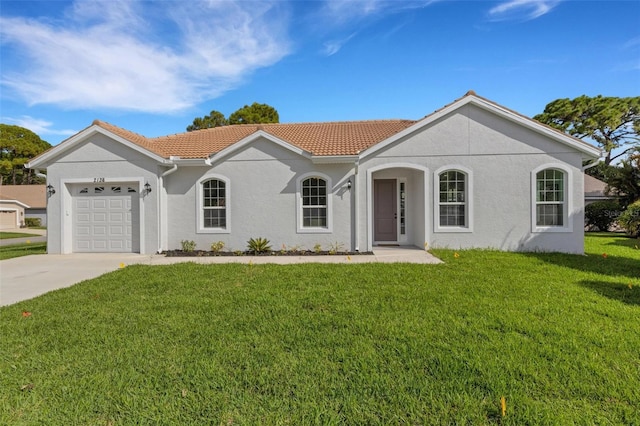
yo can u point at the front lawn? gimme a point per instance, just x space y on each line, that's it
25 249
9 235
557 336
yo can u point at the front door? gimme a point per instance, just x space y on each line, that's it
385 210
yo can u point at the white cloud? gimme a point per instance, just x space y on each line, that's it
37 126
141 56
338 12
522 10
332 47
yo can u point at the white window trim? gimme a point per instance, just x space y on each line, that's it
568 204
468 197
200 206
299 215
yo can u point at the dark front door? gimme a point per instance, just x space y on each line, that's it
385 213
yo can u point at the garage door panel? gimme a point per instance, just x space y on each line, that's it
99 204
99 217
105 219
116 204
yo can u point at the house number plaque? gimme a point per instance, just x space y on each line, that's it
98 179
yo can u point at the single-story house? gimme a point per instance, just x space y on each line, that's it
471 174
32 197
595 190
11 214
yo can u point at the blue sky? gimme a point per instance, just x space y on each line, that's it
152 66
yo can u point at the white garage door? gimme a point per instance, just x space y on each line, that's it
8 219
106 218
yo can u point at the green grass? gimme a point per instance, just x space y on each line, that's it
8 235
17 250
557 335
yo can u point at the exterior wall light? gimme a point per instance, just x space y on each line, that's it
349 184
147 188
50 190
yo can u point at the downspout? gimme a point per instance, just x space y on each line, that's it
159 205
355 208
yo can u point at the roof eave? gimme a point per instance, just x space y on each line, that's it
589 151
334 159
46 158
237 146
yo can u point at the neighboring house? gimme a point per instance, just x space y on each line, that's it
11 213
595 190
471 174
18 202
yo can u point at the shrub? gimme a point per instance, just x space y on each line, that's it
188 245
317 248
32 222
629 220
335 247
258 245
599 216
217 246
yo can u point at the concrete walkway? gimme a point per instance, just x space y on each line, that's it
26 277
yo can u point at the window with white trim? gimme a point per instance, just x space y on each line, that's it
214 204
452 199
314 203
550 198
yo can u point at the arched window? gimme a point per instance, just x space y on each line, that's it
214 204
453 199
550 195
314 203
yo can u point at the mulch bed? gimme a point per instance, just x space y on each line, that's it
203 253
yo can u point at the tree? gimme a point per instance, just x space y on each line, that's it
214 119
256 113
624 179
611 122
17 146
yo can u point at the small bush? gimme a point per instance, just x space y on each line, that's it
259 245
188 245
32 222
629 220
335 247
599 216
217 246
317 248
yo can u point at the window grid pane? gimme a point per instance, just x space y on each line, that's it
550 198
314 202
214 203
452 198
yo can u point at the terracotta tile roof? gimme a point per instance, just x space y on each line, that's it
321 139
333 138
32 195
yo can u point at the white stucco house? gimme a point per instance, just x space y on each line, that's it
471 174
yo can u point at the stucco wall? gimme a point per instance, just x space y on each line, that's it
500 156
100 157
262 180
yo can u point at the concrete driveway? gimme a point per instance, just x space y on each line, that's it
26 277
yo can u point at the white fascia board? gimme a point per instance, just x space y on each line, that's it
590 150
334 159
220 155
190 162
47 158
20 203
